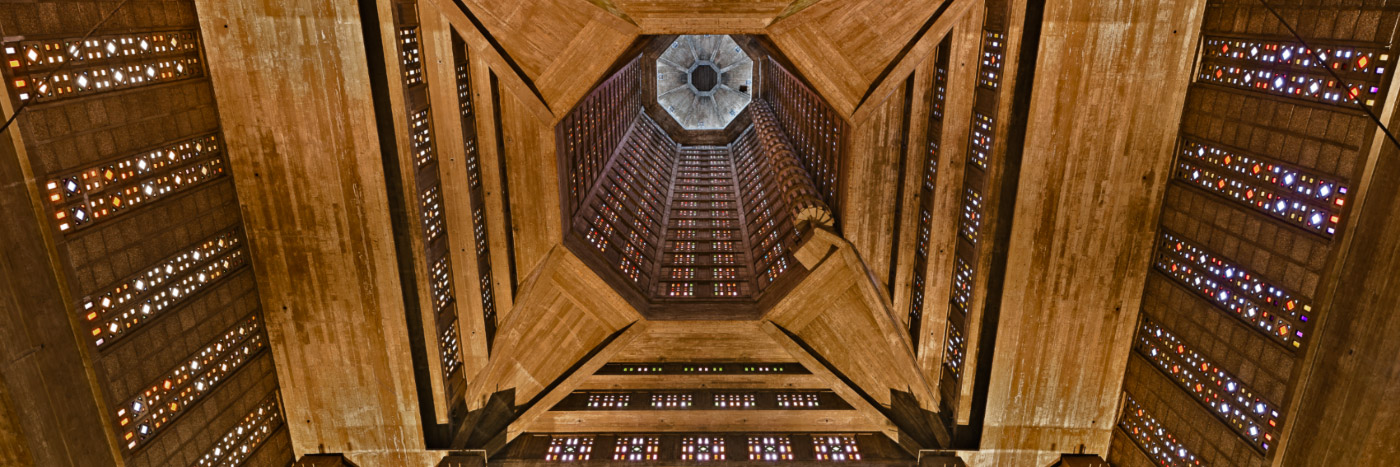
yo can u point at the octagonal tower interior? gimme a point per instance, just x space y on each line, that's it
698 230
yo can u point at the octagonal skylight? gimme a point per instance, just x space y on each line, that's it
704 81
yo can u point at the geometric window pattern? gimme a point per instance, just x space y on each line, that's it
1253 418
953 354
100 64
712 212
702 448
737 401
971 225
926 191
767 219
427 184
1291 70
608 401
1153 438
143 417
993 54
118 309
450 349
835 448
770 448
796 400
477 192
82 197
569 448
255 427
671 401
702 400
625 210
981 151
983 129
812 128
1283 191
1269 309
636 448
593 130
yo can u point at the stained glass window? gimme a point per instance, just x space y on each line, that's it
569 448
702 448
770 448
1304 199
1270 309
636 448
238 443
121 308
1234 402
139 419
83 197
1291 70
100 63
1154 439
837 448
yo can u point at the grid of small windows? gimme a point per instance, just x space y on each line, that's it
450 349
623 214
772 180
699 170
1289 69
238 443
993 54
983 131
420 127
609 401
1253 418
770 448
970 224
430 206
798 400
813 128
702 448
98 64
636 448
144 416
735 400
976 184
83 197
1154 439
672 401
954 346
962 284
569 449
119 309
926 191
1306 200
725 289
1278 313
596 127
693 368
427 182
441 285
477 194
410 56
838 448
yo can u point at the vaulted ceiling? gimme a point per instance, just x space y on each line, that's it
968 226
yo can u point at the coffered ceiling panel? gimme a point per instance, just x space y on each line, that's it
844 46
562 46
713 16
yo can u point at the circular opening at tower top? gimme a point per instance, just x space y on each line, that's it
704 77
703 81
